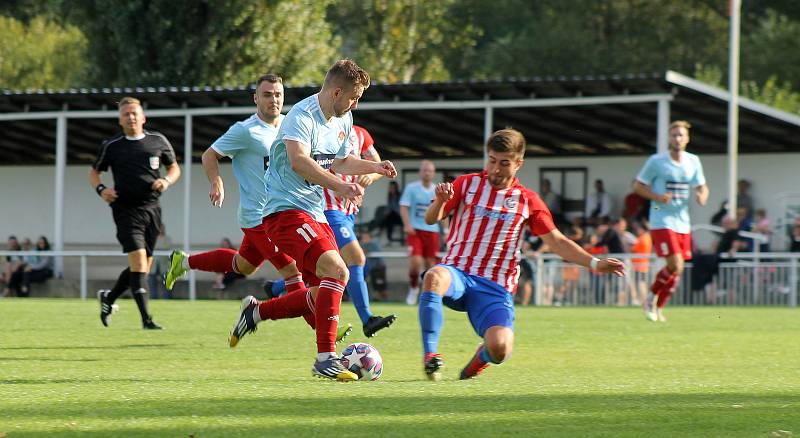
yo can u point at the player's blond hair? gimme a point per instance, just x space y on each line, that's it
347 73
680 124
507 140
128 100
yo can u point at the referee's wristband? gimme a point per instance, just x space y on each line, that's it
99 189
593 263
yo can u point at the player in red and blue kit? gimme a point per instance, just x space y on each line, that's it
479 274
667 180
341 215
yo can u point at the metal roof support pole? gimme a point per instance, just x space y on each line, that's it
733 107
488 125
58 208
662 132
187 196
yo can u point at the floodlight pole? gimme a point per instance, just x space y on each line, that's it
187 196
733 106
58 208
662 131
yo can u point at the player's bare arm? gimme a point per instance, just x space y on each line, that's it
645 191
163 183
435 212
210 161
306 167
406 217
108 193
351 165
572 252
701 194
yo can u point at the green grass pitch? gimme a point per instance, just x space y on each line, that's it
575 372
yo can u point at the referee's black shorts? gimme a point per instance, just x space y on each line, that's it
137 227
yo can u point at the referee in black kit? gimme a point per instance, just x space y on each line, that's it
135 158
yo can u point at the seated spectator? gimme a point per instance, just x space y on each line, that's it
598 204
745 224
13 264
387 217
38 268
609 238
375 267
222 281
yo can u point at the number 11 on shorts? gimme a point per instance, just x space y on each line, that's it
307 232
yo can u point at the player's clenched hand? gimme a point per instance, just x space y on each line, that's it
109 194
160 185
665 198
350 191
216 195
364 180
386 168
444 192
611 266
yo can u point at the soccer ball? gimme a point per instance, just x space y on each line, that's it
363 360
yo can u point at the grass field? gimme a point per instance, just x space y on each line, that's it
575 372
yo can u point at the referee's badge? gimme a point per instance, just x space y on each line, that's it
155 162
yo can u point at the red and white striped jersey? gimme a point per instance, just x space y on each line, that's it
362 146
487 226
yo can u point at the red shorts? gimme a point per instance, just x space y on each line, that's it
257 247
302 238
667 242
423 243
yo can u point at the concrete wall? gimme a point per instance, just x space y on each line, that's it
26 193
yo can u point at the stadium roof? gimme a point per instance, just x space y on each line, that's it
560 116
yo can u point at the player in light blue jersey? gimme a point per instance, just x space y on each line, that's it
422 239
668 180
247 143
312 141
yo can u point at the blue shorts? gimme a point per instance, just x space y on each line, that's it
343 226
487 304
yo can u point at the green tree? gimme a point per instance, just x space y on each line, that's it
40 54
401 40
211 42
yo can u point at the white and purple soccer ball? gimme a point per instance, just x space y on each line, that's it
363 360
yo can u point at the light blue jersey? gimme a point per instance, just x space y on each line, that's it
417 198
247 143
327 139
664 175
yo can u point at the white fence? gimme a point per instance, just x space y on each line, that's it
751 279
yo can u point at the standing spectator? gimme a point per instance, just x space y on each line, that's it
795 236
135 158
598 204
13 263
38 269
422 239
553 201
635 207
641 266
667 179
761 225
743 198
375 267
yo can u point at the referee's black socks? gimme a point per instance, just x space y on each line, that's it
123 283
140 293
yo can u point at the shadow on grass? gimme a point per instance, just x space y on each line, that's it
476 415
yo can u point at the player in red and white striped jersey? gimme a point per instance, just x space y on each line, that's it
480 271
341 216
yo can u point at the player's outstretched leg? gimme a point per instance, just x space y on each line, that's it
479 362
247 321
431 319
376 323
178 267
498 341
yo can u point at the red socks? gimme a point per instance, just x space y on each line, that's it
219 260
291 305
294 283
664 285
329 298
413 278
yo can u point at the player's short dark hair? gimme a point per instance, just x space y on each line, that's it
507 140
347 73
269 77
128 100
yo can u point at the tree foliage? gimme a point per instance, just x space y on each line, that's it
40 54
212 42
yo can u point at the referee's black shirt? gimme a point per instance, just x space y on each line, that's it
135 165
